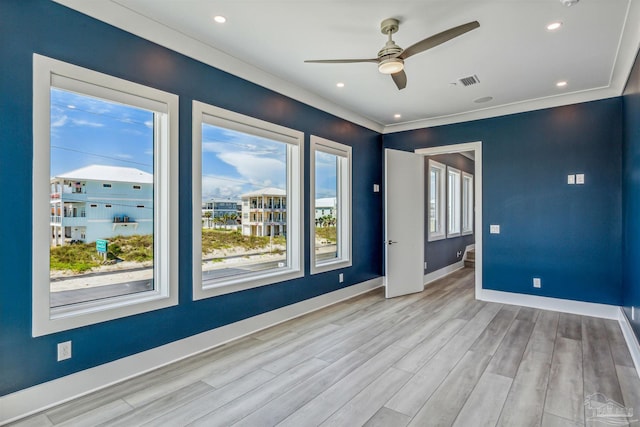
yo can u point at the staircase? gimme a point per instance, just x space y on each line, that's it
470 259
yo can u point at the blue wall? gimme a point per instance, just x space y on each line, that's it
631 196
568 235
442 253
49 29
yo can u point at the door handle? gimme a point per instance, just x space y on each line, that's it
391 242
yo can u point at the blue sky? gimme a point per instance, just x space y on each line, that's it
326 175
234 163
86 131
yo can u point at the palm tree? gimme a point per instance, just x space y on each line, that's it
207 215
233 217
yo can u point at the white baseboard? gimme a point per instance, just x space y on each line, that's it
435 275
37 398
630 338
604 311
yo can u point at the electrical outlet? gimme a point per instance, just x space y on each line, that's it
571 179
425 265
64 350
459 254
494 229
536 282
341 277
376 188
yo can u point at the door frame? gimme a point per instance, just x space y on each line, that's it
476 147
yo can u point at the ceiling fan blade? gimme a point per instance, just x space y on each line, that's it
400 79
438 39
340 61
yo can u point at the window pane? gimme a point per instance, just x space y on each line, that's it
453 202
244 199
467 203
101 199
326 206
434 184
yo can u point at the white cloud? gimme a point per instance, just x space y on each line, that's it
219 187
61 121
263 171
149 124
87 123
124 156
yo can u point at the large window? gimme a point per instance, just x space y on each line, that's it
330 205
467 203
437 200
453 202
104 197
247 193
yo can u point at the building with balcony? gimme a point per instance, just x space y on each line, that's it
99 202
215 209
264 212
327 206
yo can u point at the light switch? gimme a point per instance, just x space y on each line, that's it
494 229
376 188
571 179
580 178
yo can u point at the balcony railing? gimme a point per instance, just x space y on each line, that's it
122 219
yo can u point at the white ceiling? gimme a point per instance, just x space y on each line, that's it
517 60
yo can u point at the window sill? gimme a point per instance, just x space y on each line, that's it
237 284
330 266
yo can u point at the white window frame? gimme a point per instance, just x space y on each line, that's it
454 202
343 201
205 113
467 203
441 201
48 73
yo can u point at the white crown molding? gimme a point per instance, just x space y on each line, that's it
121 17
625 56
506 109
130 21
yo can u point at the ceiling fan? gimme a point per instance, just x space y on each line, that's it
391 57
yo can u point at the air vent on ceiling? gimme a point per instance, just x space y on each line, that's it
468 81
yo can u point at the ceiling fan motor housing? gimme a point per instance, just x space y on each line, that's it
390 49
388 57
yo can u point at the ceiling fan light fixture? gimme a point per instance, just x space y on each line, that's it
391 66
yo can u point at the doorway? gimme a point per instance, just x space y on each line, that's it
476 149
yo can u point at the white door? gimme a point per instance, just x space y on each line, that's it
404 222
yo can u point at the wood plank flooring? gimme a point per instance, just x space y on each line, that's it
438 358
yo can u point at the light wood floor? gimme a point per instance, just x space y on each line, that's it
437 358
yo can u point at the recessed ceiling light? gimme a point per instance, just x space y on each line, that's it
561 83
554 26
397 116
340 84
220 19
483 99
